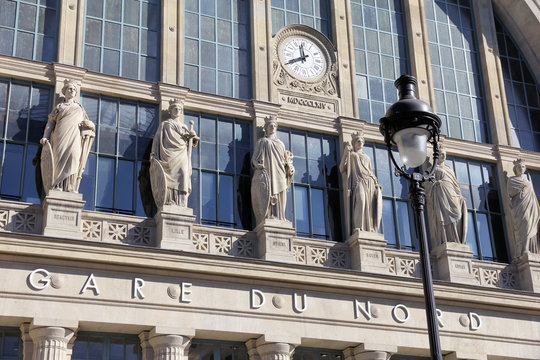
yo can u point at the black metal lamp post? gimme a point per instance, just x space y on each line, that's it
410 124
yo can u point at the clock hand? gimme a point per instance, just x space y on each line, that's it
302 52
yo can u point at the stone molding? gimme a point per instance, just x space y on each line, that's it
368 351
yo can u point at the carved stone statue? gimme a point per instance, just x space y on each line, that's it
273 175
66 141
525 210
446 206
364 191
170 160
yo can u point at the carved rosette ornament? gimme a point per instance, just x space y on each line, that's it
304 61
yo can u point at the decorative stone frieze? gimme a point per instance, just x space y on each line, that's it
50 342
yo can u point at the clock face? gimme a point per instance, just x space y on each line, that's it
303 58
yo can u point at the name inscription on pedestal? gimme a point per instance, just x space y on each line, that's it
65 217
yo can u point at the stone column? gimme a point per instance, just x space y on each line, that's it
454 262
370 352
169 347
274 351
50 342
261 35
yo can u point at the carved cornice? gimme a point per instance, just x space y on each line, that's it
325 84
26 69
262 109
120 87
216 104
350 125
509 154
468 149
62 71
169 91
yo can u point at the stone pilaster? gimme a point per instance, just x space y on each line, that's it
454 262
251 346
368 251
169 347
174 228
147 351
528 266
28 346
62 214
274 351
50 342
275 240
370 352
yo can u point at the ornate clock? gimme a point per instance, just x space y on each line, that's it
304 60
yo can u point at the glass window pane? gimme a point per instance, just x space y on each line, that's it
12 171
105 183
226 200
301 209
208 196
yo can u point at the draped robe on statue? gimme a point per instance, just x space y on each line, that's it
66 144
170 148
365 198
447 209
525 213
275 177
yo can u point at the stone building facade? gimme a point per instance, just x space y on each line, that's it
103 274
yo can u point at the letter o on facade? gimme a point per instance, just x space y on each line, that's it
397 316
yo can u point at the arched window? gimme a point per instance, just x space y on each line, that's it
217 47
122 37
29 29
313 13
380 54
455 67
522 93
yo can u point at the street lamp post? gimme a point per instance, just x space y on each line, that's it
411 124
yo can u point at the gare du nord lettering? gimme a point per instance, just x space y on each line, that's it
41 278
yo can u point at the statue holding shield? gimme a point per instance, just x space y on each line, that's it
273 175
66 141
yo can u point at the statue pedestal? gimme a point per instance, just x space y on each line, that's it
454 263
174 228
368 251
528 266
274 240
62 214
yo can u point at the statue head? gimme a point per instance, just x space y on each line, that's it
175 108
70 88
519 167
442 155
358 140
270 125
